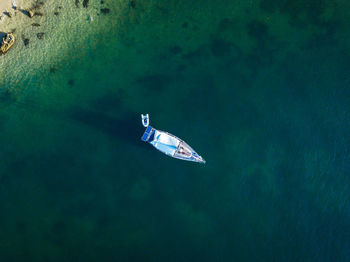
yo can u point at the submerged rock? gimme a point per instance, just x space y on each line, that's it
35 24
175 50
7 96
85 3
26 41
105 11
71 82
40 35
77 3
38 5
38 14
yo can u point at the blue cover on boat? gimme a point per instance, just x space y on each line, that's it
146 134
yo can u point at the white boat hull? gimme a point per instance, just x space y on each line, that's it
170 145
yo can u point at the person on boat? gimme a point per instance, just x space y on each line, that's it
183 151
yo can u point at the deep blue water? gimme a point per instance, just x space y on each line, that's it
259 89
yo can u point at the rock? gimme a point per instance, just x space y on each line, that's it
30 13
85 3
40 35
71 82
104 11
26 41
175 50
38 5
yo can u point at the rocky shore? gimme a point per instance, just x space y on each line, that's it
12 13
26 19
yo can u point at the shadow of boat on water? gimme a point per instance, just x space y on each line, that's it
126 127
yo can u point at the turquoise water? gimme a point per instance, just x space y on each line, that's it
258 88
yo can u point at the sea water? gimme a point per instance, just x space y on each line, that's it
258 88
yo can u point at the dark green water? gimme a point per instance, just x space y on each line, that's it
259 89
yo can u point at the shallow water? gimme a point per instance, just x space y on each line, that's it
258 89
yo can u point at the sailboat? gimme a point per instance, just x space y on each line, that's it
168 143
